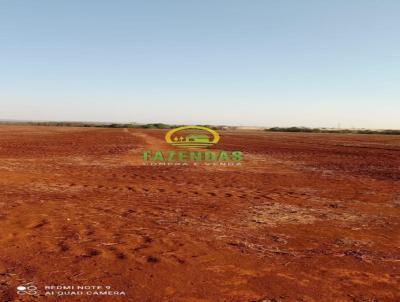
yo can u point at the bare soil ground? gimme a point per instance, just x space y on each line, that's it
307 217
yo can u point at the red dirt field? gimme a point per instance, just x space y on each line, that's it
306 217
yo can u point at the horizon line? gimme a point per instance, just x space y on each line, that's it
18 121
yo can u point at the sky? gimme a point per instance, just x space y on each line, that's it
256 63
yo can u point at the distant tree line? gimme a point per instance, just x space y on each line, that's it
91 124
324 130
170 126
104 125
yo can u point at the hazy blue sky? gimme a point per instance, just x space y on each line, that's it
258 62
